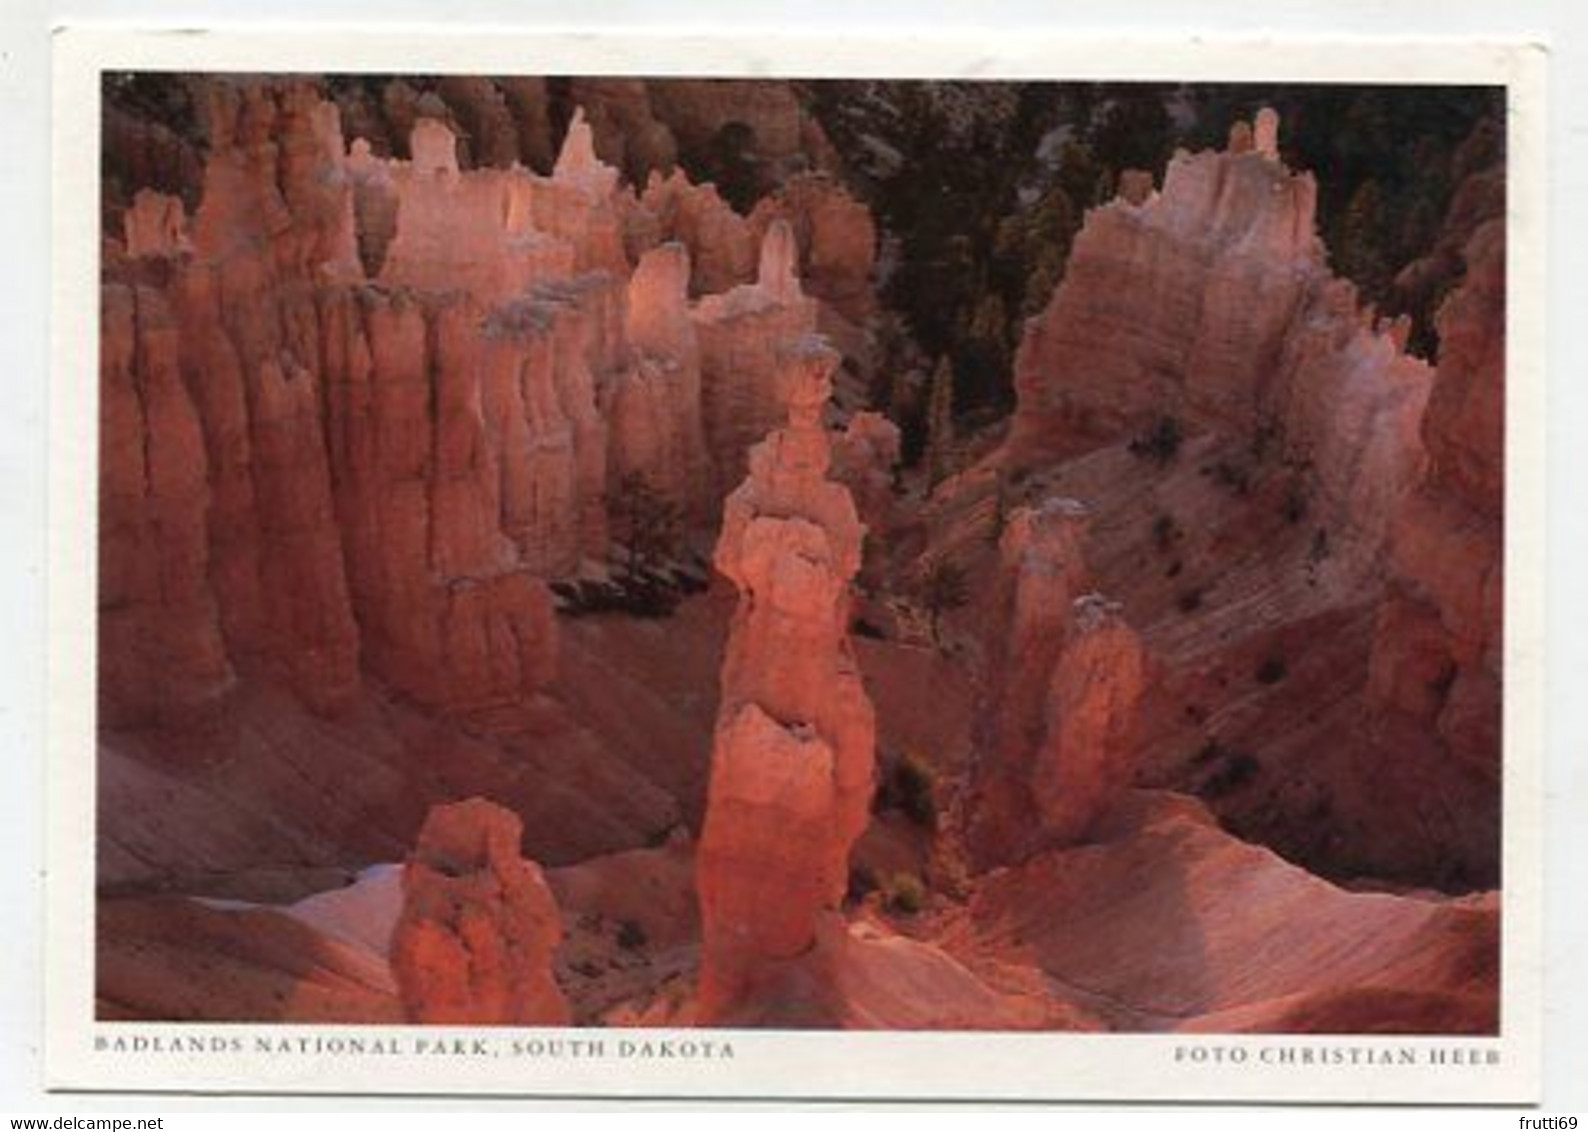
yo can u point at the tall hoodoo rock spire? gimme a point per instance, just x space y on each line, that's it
1059 731
792 764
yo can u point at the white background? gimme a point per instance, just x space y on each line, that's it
24 314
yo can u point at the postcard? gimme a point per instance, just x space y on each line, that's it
698 567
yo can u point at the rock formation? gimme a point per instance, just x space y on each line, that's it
1437 649
865 457
792 765
270 227
1478 170
479 926
655 411
1178 304
743 334
722 248
379 365
1041 575
1210 302
624 127
156 225
1159 920
1093 714
413 381
1291 460
1058 738
837 239
161 654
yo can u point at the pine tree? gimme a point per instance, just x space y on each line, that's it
1361 241
940 424
648 524
943 588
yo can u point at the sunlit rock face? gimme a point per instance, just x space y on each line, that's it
1210 302
1178 302
374 375
414 384
1313 491
478 929
792 766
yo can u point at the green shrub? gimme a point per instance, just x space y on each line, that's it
1164 532
1161 443
908 785
862 883
905 894
1271 671
631 936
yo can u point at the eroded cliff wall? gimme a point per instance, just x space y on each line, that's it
379 400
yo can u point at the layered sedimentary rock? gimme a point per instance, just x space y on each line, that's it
1162 922
1152 926
479 926
270 229
173 959
834 240
1041 574
1210 302
1204 380
428 487
1058 741
1177 304
792 764
413 382
627 133
359 401
1437 649
161 650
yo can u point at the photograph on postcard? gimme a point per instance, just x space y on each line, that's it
848 554
601 553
